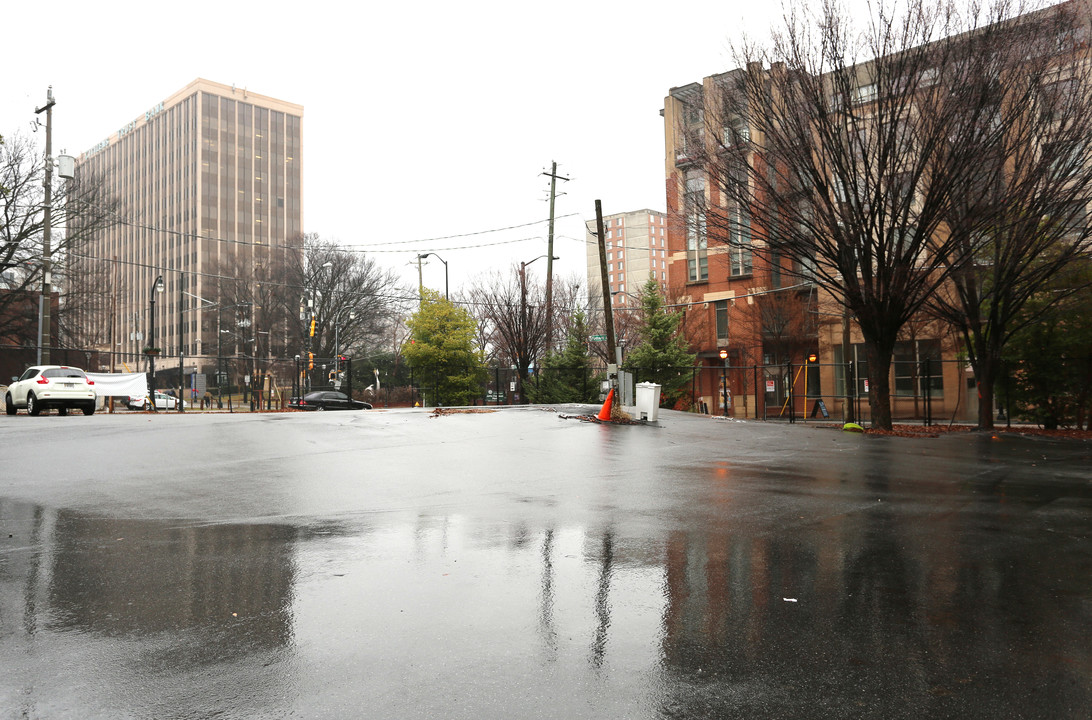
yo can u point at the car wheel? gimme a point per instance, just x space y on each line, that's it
88 409
32 405
9 406
62 411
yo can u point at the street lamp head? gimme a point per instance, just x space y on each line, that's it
352 314
723 354
327 264
159 283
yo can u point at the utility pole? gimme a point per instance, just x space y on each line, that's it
607 310
44 333
554 177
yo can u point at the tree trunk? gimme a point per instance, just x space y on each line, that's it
987 368
985 405
879 384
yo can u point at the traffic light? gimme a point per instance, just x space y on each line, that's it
310 361
312 326
341 362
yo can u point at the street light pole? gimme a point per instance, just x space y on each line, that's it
181 346
523 350
724 379
157 287
425 255
337 344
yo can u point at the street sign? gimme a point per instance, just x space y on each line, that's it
598 338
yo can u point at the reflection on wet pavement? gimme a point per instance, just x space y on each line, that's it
898 585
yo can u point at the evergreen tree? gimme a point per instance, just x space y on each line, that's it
662 356
443 351
567 376
1049 360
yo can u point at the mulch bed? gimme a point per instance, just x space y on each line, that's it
440 412
594 419
938 430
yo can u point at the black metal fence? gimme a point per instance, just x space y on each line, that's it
929 391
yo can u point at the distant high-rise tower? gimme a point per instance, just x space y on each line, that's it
210 198
636 251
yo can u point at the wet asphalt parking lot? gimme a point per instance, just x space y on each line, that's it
522 564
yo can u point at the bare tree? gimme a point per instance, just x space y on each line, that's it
512 309
1022 216
81 207
355 300
842 148
786 324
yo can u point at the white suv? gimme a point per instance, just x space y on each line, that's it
46 386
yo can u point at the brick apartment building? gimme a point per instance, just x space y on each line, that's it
766 312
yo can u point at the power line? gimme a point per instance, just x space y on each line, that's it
132 223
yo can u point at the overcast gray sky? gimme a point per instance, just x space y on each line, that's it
421 120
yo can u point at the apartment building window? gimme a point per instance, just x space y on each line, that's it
1059 97
1064 158
697 257
865 93
739 242
858 357
721 309
909 362
737 131
1074 217
694 113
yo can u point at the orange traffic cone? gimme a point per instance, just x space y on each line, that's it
604 413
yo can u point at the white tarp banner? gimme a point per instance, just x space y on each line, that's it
119 384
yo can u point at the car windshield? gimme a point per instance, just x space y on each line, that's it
64 373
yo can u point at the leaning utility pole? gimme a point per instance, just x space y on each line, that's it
607 311
554 177
44 333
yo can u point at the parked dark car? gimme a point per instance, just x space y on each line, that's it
328 400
